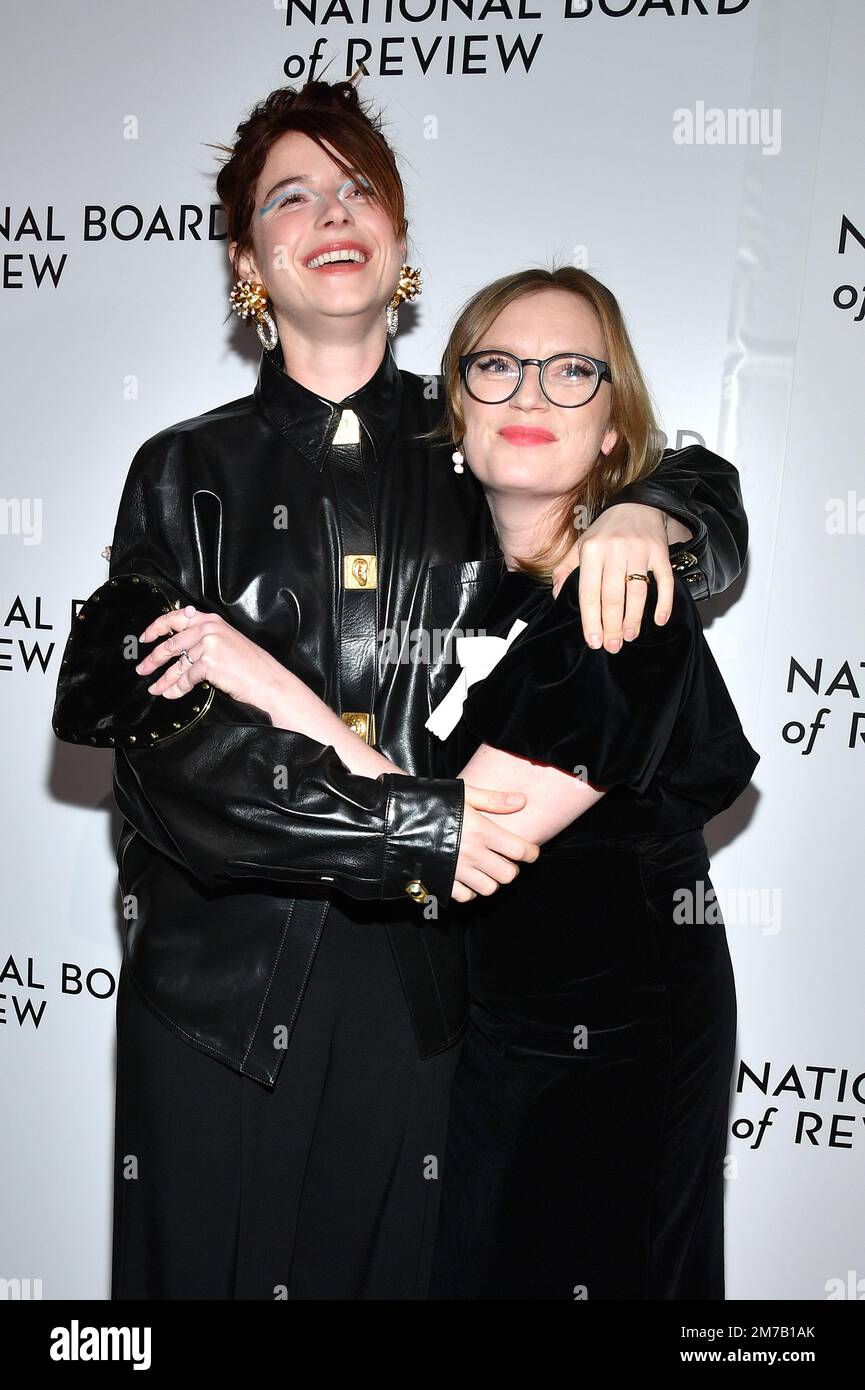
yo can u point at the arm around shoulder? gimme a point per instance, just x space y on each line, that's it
702 490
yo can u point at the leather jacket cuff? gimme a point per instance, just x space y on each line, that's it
687 558
423 825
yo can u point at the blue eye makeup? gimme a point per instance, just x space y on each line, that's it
283 196
358 185
295 192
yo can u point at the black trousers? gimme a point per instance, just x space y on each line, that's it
325 1187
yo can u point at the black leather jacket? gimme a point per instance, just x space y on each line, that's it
237 834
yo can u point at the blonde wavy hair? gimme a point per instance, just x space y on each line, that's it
639 445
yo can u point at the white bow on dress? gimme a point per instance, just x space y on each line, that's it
477 656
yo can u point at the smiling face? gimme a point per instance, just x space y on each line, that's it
526 444
322 246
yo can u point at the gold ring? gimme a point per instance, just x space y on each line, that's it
644 577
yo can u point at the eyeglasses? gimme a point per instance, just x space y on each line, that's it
567 378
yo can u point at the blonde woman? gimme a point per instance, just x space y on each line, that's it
589 1107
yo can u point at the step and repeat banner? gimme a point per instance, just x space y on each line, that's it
703 158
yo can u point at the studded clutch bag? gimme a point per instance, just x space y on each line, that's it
101 700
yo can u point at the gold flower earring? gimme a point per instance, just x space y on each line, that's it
248 299
409 288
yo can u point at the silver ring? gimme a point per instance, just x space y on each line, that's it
185 653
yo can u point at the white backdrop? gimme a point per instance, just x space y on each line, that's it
704 159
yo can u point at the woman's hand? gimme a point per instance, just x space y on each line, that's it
204 647
629 538
489 854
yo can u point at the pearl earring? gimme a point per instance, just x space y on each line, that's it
459 459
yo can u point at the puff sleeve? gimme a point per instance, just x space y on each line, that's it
606 716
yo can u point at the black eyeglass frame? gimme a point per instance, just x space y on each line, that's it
602 373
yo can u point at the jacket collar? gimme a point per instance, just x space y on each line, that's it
309 422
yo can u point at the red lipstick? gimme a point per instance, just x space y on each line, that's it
524 435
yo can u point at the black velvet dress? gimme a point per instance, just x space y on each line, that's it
589 1111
